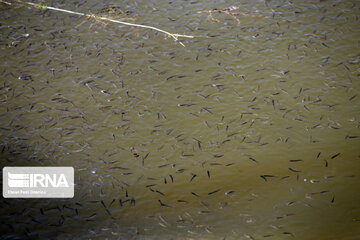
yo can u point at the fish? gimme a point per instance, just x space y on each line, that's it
324 44
252 159
351 136
187 155
185 104
119 167
204 211
193 176
289 233
195 194
163 204
180 170
132 202
293 170
160 192
204 96
150 185
164 165
351 98
266 176
143 159
306 108
215 191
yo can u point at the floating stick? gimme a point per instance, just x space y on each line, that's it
44 7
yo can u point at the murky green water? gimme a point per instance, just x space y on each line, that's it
250 132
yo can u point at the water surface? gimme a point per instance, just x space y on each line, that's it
249 132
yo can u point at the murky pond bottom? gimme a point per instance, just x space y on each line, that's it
249 132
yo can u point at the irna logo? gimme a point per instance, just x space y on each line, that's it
37 180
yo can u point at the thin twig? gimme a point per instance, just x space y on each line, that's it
228 11
44 7
5 2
